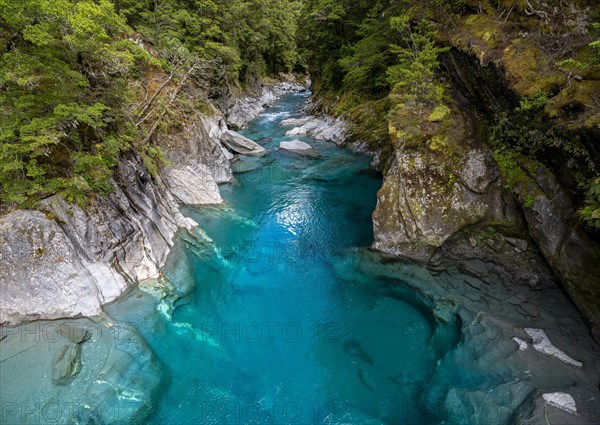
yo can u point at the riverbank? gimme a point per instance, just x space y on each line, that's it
66 261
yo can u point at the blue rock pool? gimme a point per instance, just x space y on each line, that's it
280 327
269 315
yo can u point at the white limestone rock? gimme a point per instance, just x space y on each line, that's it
295 145
542 344
522 344
191 187
240 144
296 122
299 147
327 128
41 275
562 401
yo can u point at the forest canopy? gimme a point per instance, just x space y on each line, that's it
70 70
66 103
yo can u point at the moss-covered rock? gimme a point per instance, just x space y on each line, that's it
529 70
442 179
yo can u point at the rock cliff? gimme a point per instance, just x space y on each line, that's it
64 260
443 180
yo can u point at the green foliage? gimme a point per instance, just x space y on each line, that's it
153 159
413 78
327 34
490 233
590 213
515 150
251 38
366 62
534 103
529 201
440 113
63 79
66 66
571 64
510 166
378 55
539 141
596 43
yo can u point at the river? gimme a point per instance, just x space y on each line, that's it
280 327
275 312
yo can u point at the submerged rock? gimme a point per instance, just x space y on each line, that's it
66 364
112 378
299 147
74 333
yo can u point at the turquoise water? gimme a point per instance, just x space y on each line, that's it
278 325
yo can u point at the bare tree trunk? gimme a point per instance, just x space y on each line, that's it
169 103
151 100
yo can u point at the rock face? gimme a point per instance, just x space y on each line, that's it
243 109
321 128
87 256
192 188
441 181
71 260
570 252
41 274
196 144
485 252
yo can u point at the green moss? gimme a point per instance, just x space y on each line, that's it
529 70
50 215
154 159
471 20
513 168
480 35
579 96
528 201
490 233
440 113
438 143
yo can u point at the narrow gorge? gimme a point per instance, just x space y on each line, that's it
299 212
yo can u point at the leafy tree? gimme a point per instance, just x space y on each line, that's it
62 79
413 77
366 62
